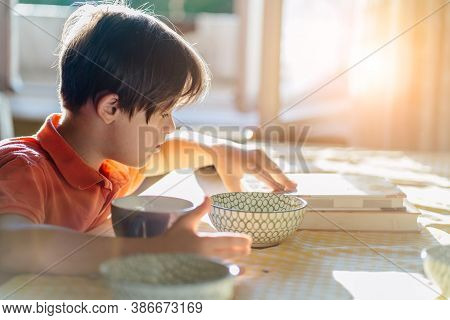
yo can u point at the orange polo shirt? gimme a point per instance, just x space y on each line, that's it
43 179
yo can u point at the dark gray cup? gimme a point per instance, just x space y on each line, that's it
146 216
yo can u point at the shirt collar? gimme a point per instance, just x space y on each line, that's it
116 172
73 168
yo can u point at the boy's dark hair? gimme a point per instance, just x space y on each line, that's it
111 48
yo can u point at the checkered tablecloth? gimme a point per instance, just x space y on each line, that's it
336 265
310 264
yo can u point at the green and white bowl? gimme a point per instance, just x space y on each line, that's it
169 277
268 218
436 263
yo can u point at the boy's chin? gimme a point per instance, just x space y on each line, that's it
137 164
141 163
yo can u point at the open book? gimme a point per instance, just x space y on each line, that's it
390 221
349 202
340 192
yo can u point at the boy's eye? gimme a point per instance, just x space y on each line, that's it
164 115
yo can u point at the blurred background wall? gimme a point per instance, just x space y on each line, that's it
363 73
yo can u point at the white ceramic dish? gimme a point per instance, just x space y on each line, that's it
436 263
169 277
267 217
146 216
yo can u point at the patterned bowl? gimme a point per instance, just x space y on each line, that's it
436 263
268 218
169 277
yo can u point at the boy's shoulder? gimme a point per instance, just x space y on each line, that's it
27 149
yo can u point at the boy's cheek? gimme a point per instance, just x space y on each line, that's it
126 151
149 138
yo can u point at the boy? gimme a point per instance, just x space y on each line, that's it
121 71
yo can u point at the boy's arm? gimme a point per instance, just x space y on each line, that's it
180 151
190 149
183 150
28 247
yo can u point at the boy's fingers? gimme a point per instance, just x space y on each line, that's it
223 244
230 243
191 219
279 175
231 237
288 184
265 177
229 254
232 252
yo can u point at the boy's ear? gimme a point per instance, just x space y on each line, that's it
107 107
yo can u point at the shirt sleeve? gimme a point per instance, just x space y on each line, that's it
23 189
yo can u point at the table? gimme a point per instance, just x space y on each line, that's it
314 264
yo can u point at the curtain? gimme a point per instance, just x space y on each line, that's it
401 94
7 70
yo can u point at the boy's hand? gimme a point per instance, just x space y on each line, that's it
232 162
183 237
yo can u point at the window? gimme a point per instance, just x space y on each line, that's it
170 8
209 24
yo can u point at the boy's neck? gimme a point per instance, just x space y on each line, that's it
79 135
